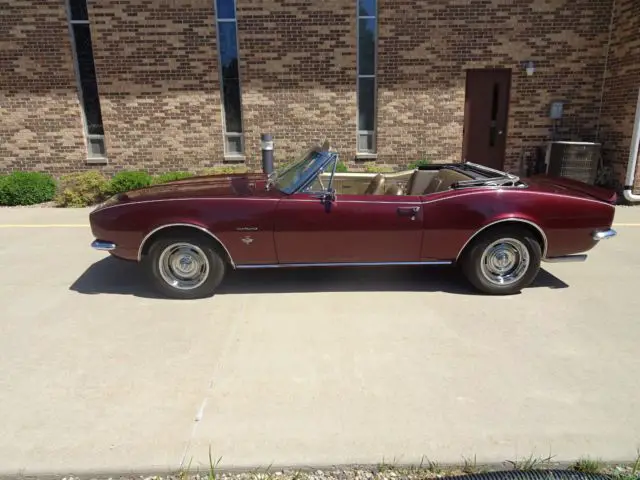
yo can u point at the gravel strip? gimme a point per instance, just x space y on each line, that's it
383 472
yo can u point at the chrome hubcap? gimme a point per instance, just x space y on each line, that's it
505 261
183 266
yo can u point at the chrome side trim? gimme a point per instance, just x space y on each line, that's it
538 228
566 259
103 246
604 234
339 264
190 225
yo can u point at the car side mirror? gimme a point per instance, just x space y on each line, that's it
326 197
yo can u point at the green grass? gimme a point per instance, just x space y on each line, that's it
587 465
632 473
427 469
212 473
530 463
470 466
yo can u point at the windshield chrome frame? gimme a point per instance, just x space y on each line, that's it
307 179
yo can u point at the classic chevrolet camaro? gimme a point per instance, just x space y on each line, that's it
495 226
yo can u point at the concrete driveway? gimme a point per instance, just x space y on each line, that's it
308 367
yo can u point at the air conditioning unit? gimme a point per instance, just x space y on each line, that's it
574 160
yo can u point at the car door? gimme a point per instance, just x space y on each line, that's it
348 229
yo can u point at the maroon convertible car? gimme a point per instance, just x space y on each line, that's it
495 226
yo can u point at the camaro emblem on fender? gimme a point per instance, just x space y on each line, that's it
247 240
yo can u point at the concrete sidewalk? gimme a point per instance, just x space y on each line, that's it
308 367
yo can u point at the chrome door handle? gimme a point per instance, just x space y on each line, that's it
408 212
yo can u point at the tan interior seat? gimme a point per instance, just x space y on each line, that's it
394 190
445 178
419 181
376 187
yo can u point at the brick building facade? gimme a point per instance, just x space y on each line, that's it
304 70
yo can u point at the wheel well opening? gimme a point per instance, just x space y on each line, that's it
184 230
535 231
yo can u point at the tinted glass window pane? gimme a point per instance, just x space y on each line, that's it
367 47
367 8
96 147
234 144
79 9
228 49
225 9
365 142
87 73
231 93
366 102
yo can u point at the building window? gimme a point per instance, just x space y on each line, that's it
86 78
229 76
366 68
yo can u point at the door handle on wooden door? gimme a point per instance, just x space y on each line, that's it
408 212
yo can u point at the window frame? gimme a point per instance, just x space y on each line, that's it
91 157
226 135
372 133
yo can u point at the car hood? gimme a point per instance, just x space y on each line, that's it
232 185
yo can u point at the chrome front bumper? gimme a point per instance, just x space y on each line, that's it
604 234
103 246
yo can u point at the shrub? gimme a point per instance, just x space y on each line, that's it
82 189
129 180
171 177
374 168
3 178
341 167
224 170
419 163
26 188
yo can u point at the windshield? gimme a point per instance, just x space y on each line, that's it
291 176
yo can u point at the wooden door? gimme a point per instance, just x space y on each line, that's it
485 116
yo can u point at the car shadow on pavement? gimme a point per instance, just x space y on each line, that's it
118 277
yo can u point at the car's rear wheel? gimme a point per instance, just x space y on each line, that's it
184 266
502 261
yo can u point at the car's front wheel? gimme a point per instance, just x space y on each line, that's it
184 266
502 261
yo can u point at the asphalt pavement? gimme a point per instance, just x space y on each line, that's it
308 368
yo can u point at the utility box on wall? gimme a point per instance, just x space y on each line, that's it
574 160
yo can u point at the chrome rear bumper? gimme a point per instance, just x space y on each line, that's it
566 259
103 246
604 234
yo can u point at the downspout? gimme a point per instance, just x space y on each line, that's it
633 158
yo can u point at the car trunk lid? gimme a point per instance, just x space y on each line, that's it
568 186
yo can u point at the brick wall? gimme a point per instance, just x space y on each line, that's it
157 76
40 117
621 86
298 74
426 46
156 65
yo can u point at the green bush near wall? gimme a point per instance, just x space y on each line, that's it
341 167
419 163
224 170
82 189
171 177
26 188
129 180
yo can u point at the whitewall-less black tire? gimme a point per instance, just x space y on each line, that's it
502 260
185 266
